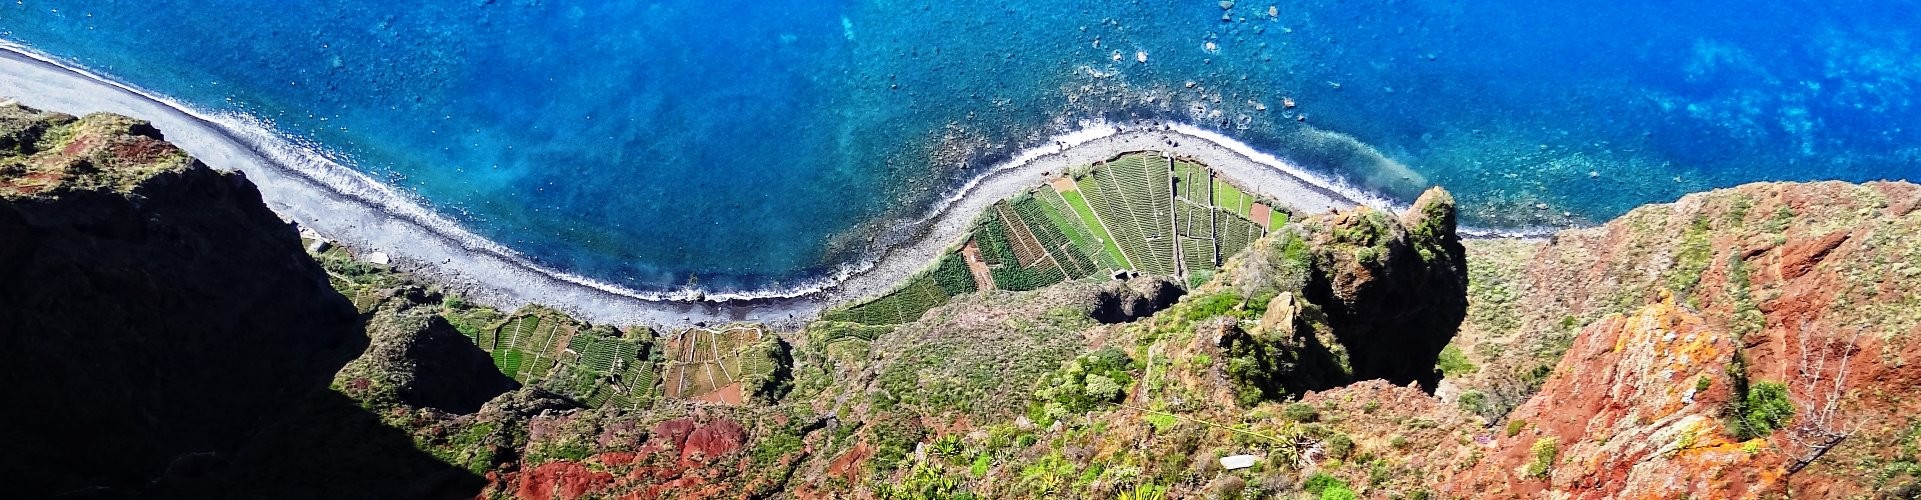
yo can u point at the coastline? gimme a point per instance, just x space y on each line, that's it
300 182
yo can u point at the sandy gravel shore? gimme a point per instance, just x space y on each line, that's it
305 185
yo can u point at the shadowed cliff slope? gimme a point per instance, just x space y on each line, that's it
166 334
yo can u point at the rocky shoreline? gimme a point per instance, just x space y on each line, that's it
305 185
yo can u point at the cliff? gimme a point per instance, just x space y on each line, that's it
164 328
1747 342
1744 342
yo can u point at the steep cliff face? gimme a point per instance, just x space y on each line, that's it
1343 297
416 358
1394 291
158 319
1743 342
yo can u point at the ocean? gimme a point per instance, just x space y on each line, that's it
756 145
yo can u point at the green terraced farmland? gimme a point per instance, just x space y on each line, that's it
1054 208
1132 197
1016 260
1231 198
908 303
595 366
1092 222
1141 212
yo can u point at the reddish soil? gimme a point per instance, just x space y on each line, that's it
561 480
1812 284
983 278
712 441
682 458
730 394
848 465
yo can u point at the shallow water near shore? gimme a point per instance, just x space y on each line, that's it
740 145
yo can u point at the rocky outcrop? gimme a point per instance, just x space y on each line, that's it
154 307
1139 298
417 359
1393 291
1738 343
1635 408
1339 298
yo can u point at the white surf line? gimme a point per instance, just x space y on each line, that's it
303 183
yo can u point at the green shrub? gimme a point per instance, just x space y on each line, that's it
1162 422
1144 492
1514 427
1320 482
924 482
1301 412
1338 493
1766 408
1340 446
1474 402
1695 254
1211 305
1544 450
776 445
1380 472
1082 384
1454 363
947 446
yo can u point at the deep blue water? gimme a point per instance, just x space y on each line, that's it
743 142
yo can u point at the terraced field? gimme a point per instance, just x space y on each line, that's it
596 366
601 367
1142 212
590 364
725 365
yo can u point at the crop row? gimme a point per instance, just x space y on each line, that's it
900 306
1054 208
1192 182
1148 187
1008 273
1028 250
1071 258
953 277
1124 215
1236 233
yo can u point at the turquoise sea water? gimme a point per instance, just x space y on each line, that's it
742 144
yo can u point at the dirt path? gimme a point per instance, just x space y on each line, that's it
983 278
1063 184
